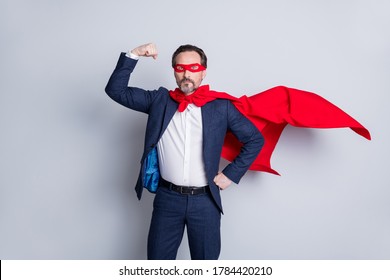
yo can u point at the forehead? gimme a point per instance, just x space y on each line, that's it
189 57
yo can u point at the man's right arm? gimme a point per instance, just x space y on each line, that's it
117 87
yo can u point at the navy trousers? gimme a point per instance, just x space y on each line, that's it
172 212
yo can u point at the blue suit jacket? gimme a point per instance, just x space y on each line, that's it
218 117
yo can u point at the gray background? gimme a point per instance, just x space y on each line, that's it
69 156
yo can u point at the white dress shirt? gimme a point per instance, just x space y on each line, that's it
180 149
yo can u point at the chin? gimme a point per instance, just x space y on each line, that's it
186 89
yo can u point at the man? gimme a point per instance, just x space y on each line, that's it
187 139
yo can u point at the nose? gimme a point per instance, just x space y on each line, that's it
187 73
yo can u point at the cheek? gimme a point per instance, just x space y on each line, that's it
178 76
199 77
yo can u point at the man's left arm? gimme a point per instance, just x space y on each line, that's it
252 141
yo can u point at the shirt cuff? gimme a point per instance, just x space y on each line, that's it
132 56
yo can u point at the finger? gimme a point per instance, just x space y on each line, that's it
151 54
152 49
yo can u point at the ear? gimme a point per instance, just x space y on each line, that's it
203 74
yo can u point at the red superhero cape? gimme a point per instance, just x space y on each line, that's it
270 111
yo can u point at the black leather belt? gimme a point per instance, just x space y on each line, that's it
184 189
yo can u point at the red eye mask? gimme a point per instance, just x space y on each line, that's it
196 67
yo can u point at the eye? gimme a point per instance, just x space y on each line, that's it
179 68
195 67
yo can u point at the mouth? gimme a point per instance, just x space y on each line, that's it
187 81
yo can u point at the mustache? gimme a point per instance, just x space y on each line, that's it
187 80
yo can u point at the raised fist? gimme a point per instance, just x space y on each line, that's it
146 50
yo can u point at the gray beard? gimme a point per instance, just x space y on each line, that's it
185 88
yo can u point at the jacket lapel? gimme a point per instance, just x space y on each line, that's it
207 127
170 110
207 117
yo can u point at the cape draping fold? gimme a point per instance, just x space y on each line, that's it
270 111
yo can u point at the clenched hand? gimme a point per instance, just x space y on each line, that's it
222 181
146 50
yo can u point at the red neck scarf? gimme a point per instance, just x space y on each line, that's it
200 97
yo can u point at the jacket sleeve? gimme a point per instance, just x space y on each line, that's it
132 97
252 142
